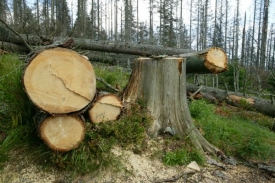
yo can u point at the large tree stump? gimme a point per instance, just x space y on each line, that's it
62 133
59 81
105 108
161 85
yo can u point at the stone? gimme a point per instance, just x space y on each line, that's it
194 166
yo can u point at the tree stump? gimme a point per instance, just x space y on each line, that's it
161 85
59 81
105 108
62 133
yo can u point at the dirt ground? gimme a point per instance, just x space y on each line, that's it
140 169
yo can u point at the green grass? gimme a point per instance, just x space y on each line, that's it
235 133
112 75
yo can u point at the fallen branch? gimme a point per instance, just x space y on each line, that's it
107 84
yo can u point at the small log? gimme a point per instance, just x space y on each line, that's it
62 133
105 108
60 81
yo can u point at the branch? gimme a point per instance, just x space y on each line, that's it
107 84
11 29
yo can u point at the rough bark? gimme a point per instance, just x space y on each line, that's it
59 81
234 98
107 107
161 85
10 47
62 133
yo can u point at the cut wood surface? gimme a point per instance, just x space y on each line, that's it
62 133
60 80
105 108
214 61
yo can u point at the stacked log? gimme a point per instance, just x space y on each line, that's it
62 83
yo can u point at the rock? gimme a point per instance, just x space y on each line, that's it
194 166
214 162
230 160
220 174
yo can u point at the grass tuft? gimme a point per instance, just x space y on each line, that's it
235 134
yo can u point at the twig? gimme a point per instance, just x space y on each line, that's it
174 179
11 29
107 84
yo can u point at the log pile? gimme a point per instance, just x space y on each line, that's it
62 84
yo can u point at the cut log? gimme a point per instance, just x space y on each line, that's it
214 61
62 133
60 81
105 108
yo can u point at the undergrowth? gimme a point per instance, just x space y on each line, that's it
178 151
115 76
237 134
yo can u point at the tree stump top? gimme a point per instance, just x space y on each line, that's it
60 80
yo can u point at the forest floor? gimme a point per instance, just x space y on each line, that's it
136 168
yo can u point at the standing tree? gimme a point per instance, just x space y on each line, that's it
264 34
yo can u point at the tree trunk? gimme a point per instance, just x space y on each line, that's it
62 133
234 98
161 85
15 48
59 81
107 107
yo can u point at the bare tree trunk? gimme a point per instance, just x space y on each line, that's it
190 28
243 41
264 34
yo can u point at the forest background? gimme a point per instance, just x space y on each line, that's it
244 29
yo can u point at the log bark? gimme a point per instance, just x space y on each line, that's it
62 133
13 48
59 81
105 108
234 98
161 85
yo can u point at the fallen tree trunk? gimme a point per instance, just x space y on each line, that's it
13 48
234 98
62 133
197 62
59 81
